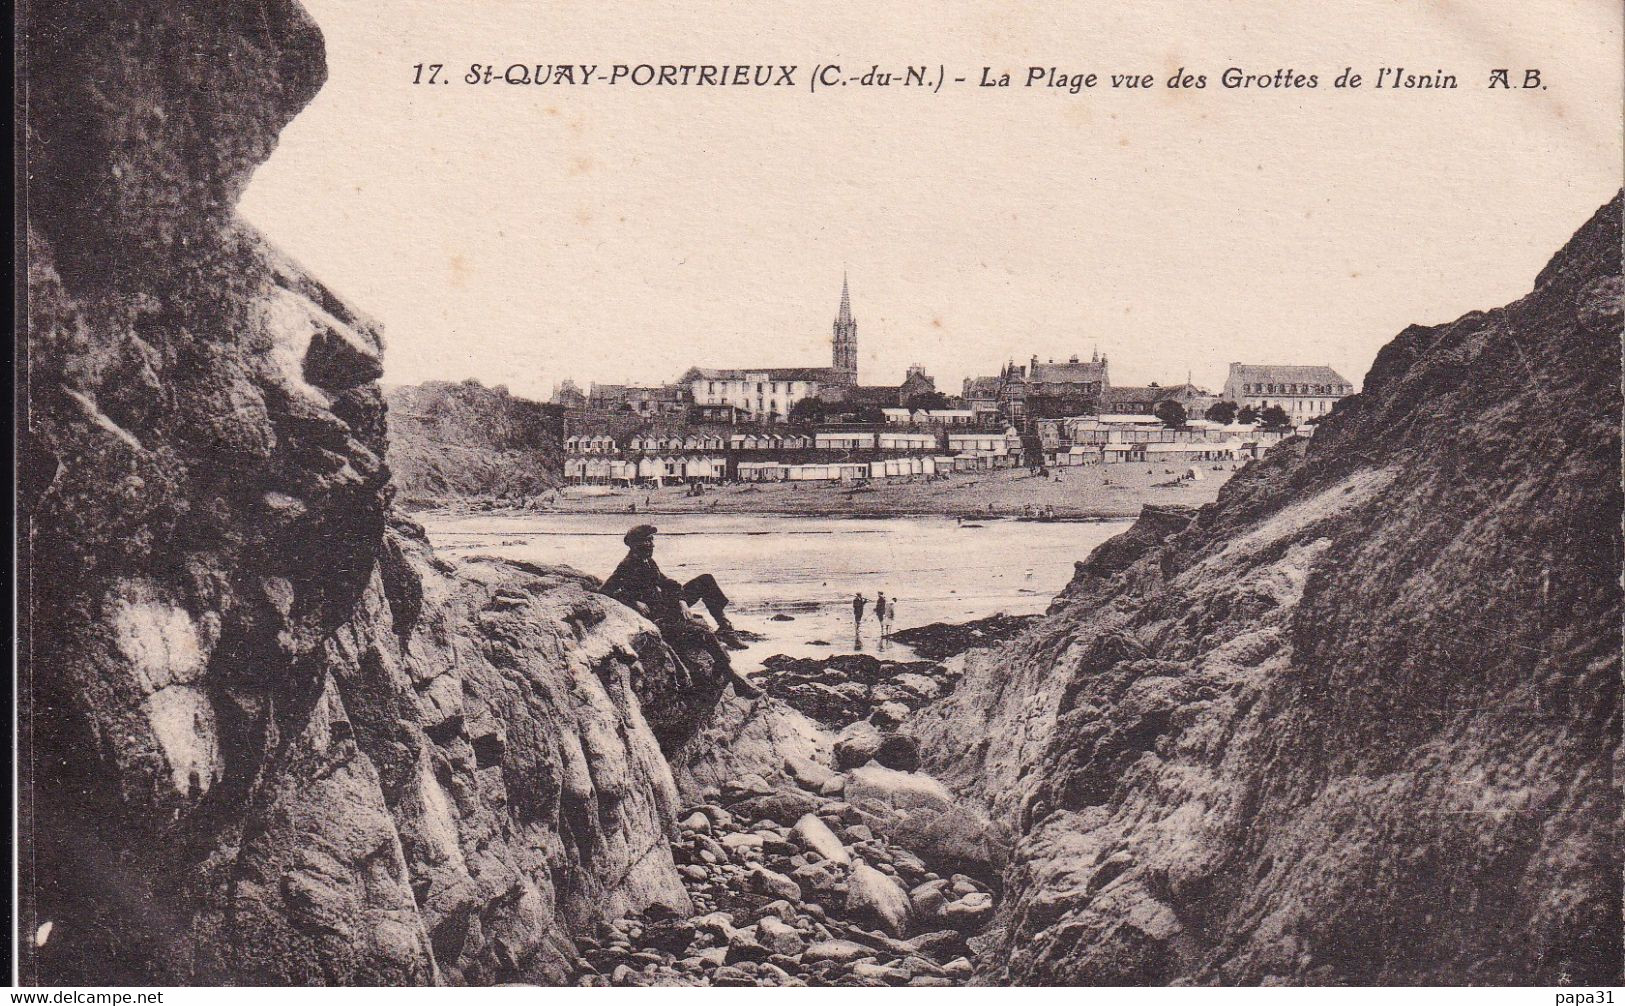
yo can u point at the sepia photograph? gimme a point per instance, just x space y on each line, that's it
856 495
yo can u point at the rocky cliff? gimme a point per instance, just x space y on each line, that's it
272 739
461 440
1355 721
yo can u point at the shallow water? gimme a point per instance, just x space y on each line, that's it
806 569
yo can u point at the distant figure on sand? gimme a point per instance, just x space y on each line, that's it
881 611
859 602
638 583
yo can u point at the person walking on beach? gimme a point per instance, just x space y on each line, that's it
881 611
859 602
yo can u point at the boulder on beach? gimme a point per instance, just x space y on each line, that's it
809 774
779 937
918 813
836 952
857 744
898 751
873 897
814 835
897 790
770 882
784 806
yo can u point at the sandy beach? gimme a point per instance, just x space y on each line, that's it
1100 492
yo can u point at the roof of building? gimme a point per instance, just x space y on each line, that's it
1265 373
671 391
1150 393
982 387
1127 419
1071 372
763 373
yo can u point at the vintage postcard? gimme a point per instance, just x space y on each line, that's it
601 494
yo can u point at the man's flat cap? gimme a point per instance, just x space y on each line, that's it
643 532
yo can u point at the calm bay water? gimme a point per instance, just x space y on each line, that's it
806 569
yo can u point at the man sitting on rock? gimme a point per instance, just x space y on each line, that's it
638 583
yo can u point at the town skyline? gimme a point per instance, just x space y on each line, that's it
947 381
845 318
517 237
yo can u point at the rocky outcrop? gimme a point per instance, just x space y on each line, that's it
941 640
492 722
849 687
1355 721
274 741
1155 525
450 441
740 737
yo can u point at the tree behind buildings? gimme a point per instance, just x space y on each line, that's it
1171 413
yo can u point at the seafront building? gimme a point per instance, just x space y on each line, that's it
1302 392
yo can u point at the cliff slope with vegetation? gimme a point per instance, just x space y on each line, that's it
463 440
1355 721
272 739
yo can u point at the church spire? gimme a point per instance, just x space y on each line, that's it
845 343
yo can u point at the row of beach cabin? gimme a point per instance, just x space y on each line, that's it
826 456
647 470
862 440
839 455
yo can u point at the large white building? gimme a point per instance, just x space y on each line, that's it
767 394
1303 392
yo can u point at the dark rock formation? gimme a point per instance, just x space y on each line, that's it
1355 722
941 640
458 441
272 740
848 687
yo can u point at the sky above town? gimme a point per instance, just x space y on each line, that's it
523 235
